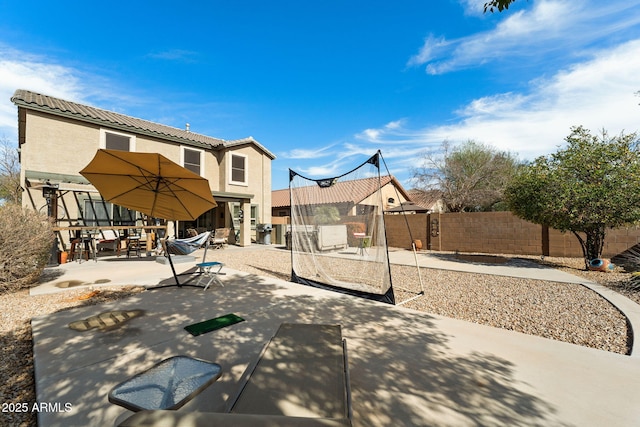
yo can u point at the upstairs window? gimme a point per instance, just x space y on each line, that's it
117 141
192 160
238 169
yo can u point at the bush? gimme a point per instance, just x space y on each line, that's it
25 246
326 215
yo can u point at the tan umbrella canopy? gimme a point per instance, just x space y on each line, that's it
149 183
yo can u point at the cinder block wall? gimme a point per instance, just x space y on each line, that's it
497 232
398 234
489 232
616 241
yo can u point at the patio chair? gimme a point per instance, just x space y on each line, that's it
110 240
220 238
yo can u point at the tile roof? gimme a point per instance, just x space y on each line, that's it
426 199
49 104
280 198
353 191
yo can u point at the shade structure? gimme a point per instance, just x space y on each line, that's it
149 183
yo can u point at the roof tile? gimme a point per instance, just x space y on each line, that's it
352 191
53 105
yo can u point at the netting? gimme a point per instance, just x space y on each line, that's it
338 236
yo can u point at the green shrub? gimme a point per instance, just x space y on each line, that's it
326 215
25 246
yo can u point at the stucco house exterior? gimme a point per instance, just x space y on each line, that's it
428 199
57 138
349 198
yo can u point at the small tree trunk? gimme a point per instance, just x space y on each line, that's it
584 249
593 245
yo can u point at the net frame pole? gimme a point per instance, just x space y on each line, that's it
413 245
385 296
421 293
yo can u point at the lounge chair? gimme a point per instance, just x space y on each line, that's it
220 238
110 240
300 379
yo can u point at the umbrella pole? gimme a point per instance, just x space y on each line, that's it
173 270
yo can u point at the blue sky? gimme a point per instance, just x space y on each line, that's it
323 85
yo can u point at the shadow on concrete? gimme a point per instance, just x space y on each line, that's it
402 369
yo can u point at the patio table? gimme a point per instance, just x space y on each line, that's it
363 241
167 385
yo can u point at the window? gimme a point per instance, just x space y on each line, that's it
254 216
235 214
96 212
192 160
117 141
101 213
238 169
123 216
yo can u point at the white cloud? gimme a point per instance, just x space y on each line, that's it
41 74
473 7
321 171
598 93
432 48
301 153
19 70
551 27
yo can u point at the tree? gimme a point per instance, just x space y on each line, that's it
471 176
10 189
327 214
499 4
591 185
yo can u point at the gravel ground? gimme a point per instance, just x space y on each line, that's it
559 311
16 375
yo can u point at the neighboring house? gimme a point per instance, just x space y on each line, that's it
58 138
430 199
350 197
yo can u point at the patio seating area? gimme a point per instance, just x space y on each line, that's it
406 367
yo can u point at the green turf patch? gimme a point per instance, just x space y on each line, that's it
213 324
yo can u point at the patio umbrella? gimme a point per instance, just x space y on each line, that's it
149 183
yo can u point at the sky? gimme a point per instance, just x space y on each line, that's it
324 85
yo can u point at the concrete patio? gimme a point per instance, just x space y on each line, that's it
407 368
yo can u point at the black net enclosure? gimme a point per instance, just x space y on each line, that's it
338 239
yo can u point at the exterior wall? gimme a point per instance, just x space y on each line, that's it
57 145
616 241
70 145
497 232
387 191
258 179
60 145
397 232
494 233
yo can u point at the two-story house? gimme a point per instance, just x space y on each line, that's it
57 138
